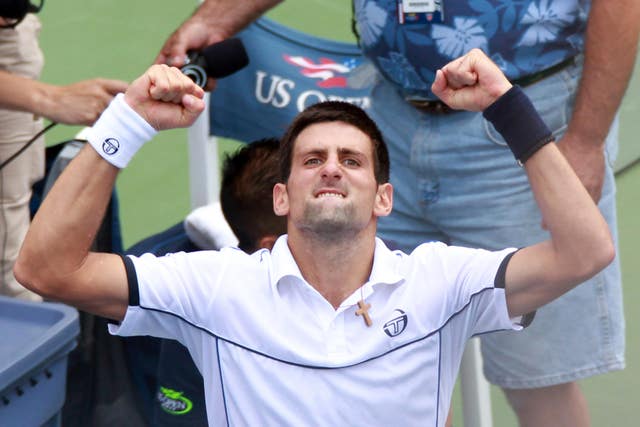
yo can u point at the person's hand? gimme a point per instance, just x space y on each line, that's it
587 161
193 34
471 82
165 97
79 103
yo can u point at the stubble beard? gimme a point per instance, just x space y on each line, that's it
330 226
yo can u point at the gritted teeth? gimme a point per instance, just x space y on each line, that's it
329 194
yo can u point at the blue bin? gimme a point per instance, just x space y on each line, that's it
35 341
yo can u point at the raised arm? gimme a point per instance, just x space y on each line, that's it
76 104
580 243
55 260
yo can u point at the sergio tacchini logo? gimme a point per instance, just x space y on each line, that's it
110 146
397 325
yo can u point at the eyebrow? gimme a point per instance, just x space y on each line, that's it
350 152
341 152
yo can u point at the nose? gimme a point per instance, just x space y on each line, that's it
331 169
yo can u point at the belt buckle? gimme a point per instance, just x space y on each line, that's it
430 106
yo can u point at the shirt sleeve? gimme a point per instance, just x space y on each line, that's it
474 288
170 294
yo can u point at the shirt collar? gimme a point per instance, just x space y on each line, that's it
284 265
386 265
384 270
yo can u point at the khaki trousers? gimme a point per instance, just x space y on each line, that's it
21 55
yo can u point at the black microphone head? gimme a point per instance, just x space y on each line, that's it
216 61
225 58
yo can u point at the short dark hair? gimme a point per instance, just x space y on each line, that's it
335 111
246 193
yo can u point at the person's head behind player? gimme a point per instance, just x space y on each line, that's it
246 194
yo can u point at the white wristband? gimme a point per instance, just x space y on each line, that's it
119 132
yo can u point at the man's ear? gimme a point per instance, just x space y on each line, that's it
267 242
280 199
384 200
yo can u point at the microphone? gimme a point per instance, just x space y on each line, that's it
216 61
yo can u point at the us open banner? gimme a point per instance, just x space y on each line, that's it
288 70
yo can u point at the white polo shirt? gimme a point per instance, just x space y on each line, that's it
274 352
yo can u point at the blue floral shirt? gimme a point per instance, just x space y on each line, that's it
521 36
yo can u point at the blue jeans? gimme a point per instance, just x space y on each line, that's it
456 181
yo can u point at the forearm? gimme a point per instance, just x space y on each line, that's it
72 212
23 94
78 103
610 50
568 211
228 17
580 237
580 244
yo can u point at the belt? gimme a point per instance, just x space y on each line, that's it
438 107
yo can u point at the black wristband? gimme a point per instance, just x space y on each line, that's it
515 117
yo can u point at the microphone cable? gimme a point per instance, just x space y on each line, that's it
27 145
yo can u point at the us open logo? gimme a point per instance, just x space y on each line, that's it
397 325
110 146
